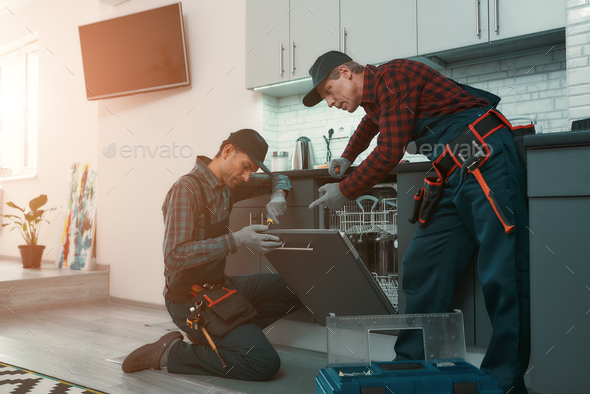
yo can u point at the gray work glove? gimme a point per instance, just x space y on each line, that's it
277 206
332 198
252 238
338 167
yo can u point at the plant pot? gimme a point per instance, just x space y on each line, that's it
31 255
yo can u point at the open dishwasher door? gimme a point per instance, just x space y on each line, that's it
325 271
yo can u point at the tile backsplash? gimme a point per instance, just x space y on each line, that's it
532 86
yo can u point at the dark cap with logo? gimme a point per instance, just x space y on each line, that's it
253 144
320 70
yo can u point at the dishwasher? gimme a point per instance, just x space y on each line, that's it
370 221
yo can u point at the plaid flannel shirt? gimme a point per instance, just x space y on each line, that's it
394 95
185 245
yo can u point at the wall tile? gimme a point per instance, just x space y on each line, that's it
579 76
542 93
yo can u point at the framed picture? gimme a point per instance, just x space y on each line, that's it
78 233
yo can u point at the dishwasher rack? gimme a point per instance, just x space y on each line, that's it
366 214
367 217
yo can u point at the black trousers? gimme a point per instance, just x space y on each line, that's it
245 349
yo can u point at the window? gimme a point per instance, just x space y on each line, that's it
19 88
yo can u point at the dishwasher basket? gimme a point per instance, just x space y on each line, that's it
369 221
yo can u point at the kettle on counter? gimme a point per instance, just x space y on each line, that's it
302 158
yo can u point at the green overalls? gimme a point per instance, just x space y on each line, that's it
462 220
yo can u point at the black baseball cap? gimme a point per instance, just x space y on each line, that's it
320 70
253 144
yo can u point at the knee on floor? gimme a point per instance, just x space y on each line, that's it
264 368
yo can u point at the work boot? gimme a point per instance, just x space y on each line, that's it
149 356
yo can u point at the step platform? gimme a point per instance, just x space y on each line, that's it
452 376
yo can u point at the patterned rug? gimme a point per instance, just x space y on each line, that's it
15 380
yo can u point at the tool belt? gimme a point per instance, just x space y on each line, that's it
219 309
462 149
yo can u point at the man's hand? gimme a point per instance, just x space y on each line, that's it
338 167
252 238
277 205
332 198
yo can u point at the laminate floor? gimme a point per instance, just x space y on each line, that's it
77 342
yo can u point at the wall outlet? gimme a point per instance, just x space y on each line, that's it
340 132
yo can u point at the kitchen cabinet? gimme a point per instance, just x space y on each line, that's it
559 213
284 37
390 34
245 261
253 211
446 25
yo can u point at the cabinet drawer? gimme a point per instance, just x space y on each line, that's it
558 172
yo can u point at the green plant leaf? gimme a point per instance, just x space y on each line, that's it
25 226
38 202
12 205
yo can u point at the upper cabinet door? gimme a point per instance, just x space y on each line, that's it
451 24
509 18
314 31
376 31
267 42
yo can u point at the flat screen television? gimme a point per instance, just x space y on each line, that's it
135 53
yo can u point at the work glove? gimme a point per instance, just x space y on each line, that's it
332 198
253 239
338 167
277 205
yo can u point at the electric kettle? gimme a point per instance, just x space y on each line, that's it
302 158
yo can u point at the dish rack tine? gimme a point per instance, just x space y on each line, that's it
372 198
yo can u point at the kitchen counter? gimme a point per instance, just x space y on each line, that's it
323 172
556 140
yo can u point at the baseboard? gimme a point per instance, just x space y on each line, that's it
141 304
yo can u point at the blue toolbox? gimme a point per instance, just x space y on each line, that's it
452 376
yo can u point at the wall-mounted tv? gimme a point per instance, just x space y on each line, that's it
135 53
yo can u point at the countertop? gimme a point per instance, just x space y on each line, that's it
423 166
557 140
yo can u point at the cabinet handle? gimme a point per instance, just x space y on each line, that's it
281 49
477 30
293 57
261 218
250 218
496 26
343 40
300 249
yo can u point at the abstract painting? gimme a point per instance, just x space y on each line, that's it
79 221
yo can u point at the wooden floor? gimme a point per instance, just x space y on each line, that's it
75 343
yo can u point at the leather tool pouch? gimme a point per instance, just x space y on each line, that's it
220 310
431 192
418 198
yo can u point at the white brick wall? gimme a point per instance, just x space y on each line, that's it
533 86
577 38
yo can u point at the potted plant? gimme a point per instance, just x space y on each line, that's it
29 223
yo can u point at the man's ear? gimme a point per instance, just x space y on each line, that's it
227 151
345 72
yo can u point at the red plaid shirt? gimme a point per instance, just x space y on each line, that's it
394 95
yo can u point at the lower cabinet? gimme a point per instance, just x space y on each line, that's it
246 261
560 296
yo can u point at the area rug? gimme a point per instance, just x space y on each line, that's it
15 380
